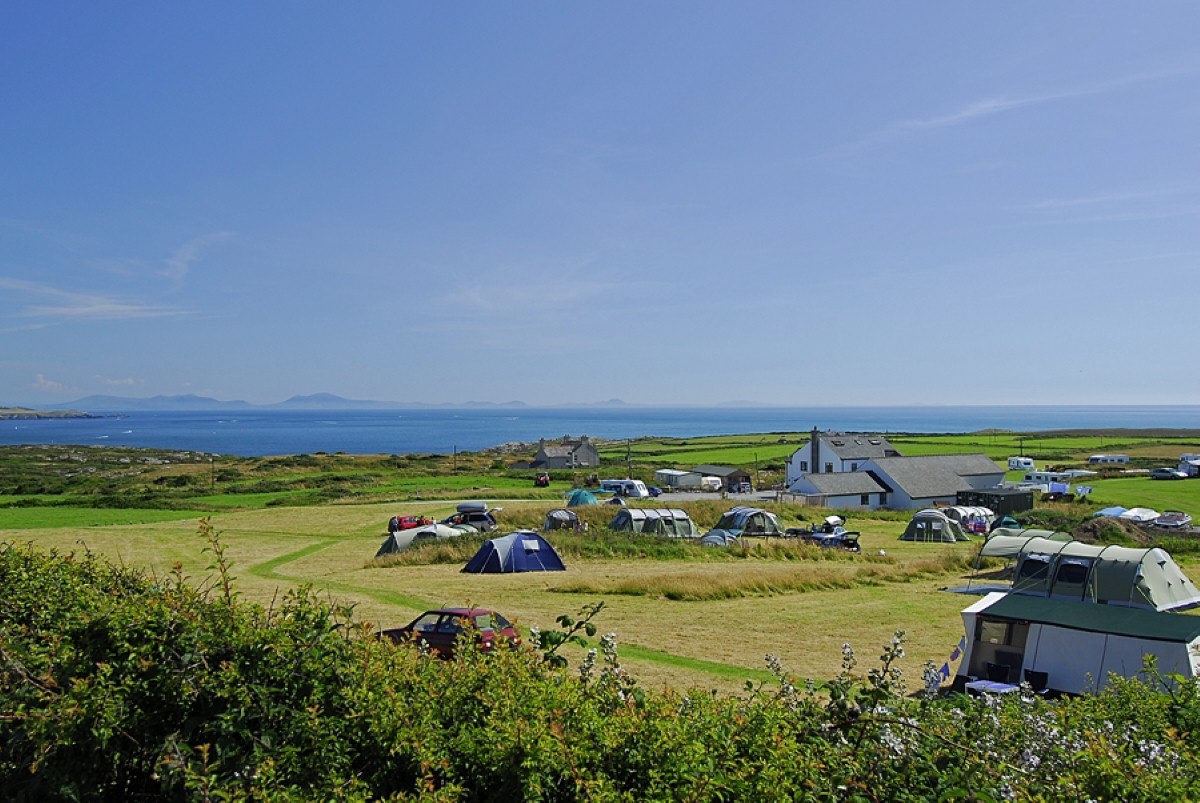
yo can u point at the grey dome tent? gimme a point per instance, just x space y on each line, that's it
560 519
676 523
403 539
579 497
522 551
933 525
749 521
719 538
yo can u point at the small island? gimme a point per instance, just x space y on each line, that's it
28 413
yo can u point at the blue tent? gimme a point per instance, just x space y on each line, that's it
522 551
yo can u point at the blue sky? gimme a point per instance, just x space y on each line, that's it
670 202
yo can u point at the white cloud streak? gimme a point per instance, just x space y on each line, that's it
1003 104
65 305
179 264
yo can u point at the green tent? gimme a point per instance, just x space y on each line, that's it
1051 565
578 497
675 523
933 525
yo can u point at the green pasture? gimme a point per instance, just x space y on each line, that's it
36 518
1145 492
715 642
683 616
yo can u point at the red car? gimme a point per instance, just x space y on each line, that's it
439 630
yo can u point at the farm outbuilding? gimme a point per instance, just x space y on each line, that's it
731 478
677 479
1001 501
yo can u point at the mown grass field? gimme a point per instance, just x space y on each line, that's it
697 618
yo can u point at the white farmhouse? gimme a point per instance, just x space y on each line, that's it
835 453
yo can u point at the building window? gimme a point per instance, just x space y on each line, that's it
883 500
854 466
865 499
804 465
829 468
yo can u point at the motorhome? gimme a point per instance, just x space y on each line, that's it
1020 464
1108 459
634 489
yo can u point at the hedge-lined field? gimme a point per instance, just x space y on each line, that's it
115 685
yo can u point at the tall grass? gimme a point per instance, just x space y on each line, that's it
736 582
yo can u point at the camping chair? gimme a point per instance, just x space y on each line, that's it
1038 681
997 673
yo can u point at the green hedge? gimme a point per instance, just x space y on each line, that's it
117 685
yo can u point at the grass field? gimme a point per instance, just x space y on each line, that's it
702 619
801 609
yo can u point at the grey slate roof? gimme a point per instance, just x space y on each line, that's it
844 483
857 445
935 475
720 471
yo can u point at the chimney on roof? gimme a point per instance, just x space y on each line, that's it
816 451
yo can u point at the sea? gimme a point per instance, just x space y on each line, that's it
445 431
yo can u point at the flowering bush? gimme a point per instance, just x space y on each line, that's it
118 685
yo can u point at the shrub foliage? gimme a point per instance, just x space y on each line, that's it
116 685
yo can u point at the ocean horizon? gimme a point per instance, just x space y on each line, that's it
254 433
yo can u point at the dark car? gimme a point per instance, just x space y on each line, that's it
1167 474
832 537
439 630
654 490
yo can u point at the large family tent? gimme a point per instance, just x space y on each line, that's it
522 551
933 525
1073 647
403 539
560 519
579 497
1048 565
749 521
675 523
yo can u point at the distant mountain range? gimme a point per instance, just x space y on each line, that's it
316 401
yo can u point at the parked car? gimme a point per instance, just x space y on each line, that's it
1167 474
836 537
475 515
440 630
654 490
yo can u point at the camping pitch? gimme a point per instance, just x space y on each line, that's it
654 521
1052 565
403 539
933 525
522 551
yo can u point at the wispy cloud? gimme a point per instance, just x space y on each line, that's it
41 383
1006 103
180 263
52 303
104 380
1101 199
